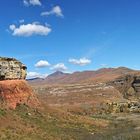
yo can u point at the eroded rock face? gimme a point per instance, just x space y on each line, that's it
136 84
128 85
11 68
14 90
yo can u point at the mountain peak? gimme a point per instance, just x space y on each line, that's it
57 73
100 75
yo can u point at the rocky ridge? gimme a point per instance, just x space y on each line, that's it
97 76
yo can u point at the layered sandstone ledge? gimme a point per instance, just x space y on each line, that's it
11 68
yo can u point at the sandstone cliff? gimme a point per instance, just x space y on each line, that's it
11 68
128 85
14 90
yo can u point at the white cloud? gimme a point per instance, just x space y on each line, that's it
12 27
31 75
59 67
32 2
30 29
21 21
81 61
55 11
42 64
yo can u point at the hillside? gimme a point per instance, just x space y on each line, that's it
78 106
101 75
75 111
15 92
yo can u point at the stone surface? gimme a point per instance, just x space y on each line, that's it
11 68
123 107
14 90
128 85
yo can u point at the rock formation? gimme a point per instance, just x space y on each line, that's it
123 107
14 90
128 85
11 68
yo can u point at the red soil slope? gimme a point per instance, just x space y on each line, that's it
15 92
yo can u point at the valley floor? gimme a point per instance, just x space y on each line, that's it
70 112
25 123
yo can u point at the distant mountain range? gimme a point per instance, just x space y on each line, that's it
101 75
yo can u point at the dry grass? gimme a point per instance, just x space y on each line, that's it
69 113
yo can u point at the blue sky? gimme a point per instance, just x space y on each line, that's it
70 35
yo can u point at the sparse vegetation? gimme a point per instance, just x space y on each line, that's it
68 118
53 124
70 112
2 112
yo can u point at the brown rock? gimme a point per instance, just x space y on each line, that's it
128 85
131 91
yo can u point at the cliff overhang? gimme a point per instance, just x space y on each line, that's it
11 69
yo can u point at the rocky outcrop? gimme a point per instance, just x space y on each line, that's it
14 90
128 85
123 107
11 68
136 84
